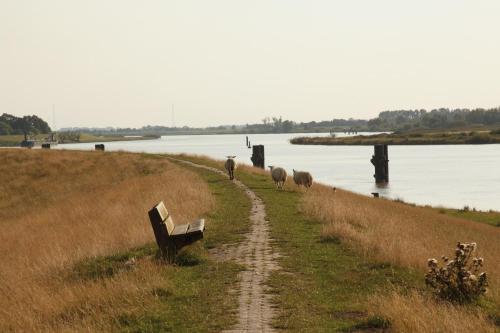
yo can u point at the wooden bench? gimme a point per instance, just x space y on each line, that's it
171 237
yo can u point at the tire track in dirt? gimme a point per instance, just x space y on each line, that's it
255 310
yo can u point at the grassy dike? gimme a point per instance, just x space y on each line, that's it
194 294
323 286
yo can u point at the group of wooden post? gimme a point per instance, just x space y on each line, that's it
380 160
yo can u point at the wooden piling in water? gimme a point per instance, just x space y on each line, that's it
258 156
380 160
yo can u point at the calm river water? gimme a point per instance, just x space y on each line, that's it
448 175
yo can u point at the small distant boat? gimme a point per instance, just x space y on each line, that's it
32 143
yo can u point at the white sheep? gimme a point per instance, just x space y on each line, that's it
279 176
302 178
230 165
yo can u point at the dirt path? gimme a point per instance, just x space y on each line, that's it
255 311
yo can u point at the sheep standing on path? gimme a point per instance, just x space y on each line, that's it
302 178
279 176
230 165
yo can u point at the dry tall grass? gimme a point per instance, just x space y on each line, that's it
419 314
59 207
401 234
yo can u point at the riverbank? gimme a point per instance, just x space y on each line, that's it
347 262
419 138
15 140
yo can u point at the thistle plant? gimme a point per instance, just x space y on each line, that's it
460 279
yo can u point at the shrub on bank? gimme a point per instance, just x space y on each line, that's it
460 279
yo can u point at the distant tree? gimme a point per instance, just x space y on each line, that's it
5 128
25 125
287 126
277 124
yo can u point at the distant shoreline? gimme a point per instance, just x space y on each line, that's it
436 138
12 141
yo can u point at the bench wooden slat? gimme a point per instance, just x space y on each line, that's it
169 223
162 210
197 226
180 229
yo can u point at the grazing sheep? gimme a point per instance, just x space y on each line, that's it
230 165
302 178
279 176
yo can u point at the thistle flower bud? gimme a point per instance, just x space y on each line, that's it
432 262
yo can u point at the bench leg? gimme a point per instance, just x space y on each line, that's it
171 253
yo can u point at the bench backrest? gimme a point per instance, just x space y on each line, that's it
165 217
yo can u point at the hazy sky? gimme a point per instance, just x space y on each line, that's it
124 63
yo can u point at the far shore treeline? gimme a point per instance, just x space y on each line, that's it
12 125
400 120
395 121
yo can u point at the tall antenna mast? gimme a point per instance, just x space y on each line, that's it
53 117
173 116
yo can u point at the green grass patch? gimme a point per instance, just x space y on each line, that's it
489 217
232 225
323 285
194 299
108 266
